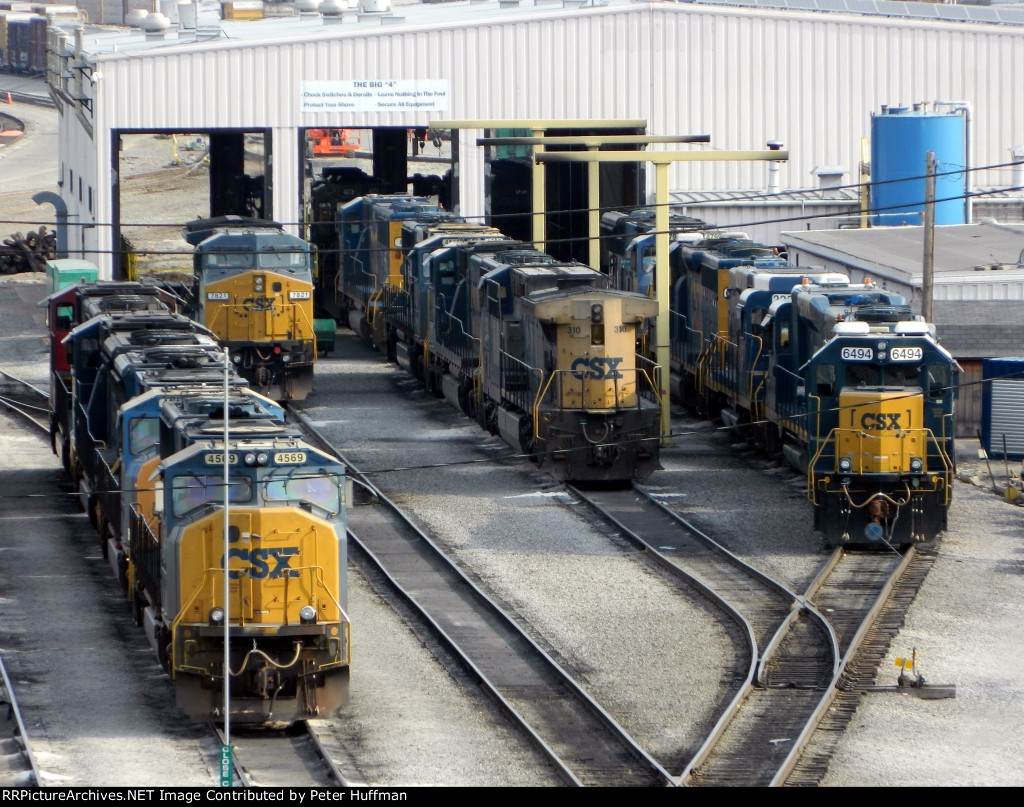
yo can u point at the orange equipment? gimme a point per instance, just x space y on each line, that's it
343 142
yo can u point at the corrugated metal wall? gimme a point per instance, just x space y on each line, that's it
741 75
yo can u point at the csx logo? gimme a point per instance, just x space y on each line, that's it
259 303
881 421
264 563
596 368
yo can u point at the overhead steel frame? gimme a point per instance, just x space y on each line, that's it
661 161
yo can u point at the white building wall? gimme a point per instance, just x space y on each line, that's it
744 76
77 164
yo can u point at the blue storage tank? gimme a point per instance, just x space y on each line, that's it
900 142
1002 407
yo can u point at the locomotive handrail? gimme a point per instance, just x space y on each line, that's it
787 410
210 576
144 551
722 356
757 378
833 439
373 302
650 368
296 314
546 385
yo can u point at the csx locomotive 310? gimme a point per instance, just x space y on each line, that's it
842 378
539 351
253 287
154 418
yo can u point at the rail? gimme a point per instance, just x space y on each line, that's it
103 482
144 552
6 689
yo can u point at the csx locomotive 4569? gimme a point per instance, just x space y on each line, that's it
253 287
842 378
175 457
539 351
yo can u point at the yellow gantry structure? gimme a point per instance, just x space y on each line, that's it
661 161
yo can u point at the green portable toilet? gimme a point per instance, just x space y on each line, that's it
65 272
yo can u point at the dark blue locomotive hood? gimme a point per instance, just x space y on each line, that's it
884 346
163 322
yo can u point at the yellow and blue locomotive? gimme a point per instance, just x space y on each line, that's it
862 397
539 351
253 287
284 534
842 379
157 415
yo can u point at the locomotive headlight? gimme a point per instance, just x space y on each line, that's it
845 464
882 345
262 458
286 357
596 312
250 458
307 613
216 615
916 465
237 359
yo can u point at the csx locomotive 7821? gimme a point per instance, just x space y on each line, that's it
253 287
843 379
539 351
154 417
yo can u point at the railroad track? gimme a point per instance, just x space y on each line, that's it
28 402
799 645
293 758
565 724
18 765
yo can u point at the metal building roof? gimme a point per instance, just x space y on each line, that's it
1000 15
989 254
283 21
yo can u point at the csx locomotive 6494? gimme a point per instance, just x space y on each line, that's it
842 378
539 351
253 287
154 417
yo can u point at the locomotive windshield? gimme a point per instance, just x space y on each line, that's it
191 491
304 486
143 434
886 375
229 260
282 258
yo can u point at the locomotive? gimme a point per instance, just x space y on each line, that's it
539 351
841 378
154 414
252 286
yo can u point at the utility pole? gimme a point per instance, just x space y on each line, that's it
928 264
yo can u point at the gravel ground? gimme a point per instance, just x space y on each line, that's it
585 596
